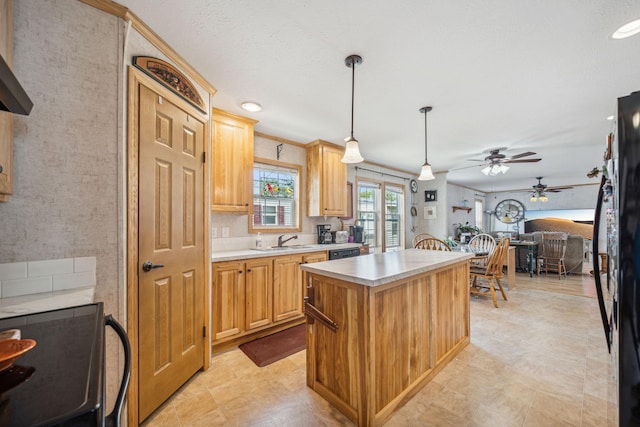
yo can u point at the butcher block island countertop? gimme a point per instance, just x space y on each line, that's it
381 326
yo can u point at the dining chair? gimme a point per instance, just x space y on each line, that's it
491 273
482 243
433 244
419 237
554 247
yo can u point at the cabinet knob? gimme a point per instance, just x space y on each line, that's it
1 168
249 271
239 271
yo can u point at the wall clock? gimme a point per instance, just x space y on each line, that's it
510 210
414 185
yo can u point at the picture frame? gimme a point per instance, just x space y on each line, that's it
430 212
431 195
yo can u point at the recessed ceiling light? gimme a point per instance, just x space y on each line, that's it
610 118
627 30
251 106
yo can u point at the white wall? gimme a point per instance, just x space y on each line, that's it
438 226
456 196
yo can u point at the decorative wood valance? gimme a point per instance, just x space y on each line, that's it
170 77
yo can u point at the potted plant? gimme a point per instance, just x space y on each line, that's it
466 228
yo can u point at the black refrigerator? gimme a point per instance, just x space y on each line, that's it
618 291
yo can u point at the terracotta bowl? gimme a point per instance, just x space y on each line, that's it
10 350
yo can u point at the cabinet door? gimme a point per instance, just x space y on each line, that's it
231 162
308 259
258 288
287 287
334 182
228 299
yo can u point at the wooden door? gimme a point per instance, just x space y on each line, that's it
334 182
228 299
287 287
258 288
171 238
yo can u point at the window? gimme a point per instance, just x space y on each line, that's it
276 196
393 214
382 219
479 210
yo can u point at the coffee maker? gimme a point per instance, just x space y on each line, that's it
324 234
357 231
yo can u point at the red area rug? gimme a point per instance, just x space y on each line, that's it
272 348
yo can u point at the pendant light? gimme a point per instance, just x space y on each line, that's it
351 152
426 174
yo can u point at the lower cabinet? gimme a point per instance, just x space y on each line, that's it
287 287
254 295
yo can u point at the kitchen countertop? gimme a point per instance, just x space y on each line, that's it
46 301
386 267
254 253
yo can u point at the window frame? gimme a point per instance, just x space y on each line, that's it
380 212
298 198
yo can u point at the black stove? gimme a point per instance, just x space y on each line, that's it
61 380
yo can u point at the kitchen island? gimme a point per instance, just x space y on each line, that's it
381 326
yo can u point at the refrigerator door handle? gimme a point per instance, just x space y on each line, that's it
596 265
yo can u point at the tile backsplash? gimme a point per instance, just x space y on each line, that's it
34 277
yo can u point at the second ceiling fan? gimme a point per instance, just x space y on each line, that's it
540 190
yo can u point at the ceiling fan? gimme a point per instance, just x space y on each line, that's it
496 162
540 189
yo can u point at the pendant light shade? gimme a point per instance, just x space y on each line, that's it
352 152
426 174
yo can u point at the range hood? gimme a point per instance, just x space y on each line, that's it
13 98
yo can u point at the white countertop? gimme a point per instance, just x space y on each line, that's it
387 267
254 253
46 301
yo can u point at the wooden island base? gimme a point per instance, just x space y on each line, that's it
390 341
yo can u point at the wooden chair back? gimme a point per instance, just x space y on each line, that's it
419 237
483 243
432 244
498 258
554 245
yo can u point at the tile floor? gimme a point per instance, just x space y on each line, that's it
538 360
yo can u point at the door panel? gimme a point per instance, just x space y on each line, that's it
171 236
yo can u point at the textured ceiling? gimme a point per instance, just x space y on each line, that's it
528 76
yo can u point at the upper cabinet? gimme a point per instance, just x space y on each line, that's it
326 180
231 162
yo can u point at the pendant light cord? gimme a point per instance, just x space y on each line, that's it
425 136
353 83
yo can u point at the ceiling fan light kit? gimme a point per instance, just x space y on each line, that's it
352 151
496 169
426 174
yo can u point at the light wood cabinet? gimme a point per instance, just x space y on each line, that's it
258 292
257 296
287 287
228 299
308 259
326 180
231 162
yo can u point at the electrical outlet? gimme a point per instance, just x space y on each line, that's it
225 231
214 232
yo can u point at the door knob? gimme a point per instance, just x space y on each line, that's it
148 266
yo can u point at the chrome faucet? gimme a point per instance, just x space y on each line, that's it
282 242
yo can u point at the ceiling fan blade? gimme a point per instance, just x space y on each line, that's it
475 160
558 188
552 190
464 167
525 154
522 161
